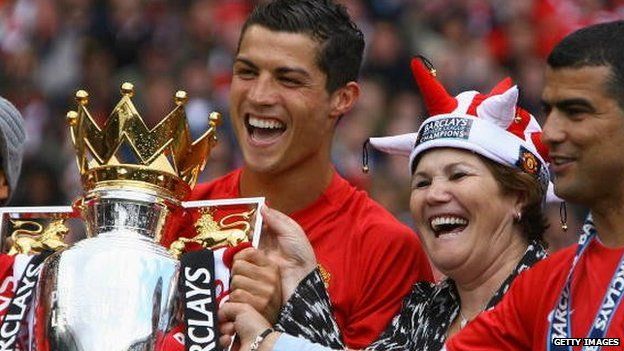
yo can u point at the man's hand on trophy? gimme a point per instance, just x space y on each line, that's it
256 281
248 325
286 244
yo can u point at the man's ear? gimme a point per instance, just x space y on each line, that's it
343 99
4 187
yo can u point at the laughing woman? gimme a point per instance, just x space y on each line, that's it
479 180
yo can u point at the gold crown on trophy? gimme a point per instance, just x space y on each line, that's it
127 153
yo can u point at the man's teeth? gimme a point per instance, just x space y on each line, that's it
265 123
438 222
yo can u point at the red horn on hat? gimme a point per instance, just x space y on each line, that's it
501 87
436 98
498 89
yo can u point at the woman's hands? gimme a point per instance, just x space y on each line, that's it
246 322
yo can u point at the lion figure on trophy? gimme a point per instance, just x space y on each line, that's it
213 234
29 241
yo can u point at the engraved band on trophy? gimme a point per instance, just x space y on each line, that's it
117 289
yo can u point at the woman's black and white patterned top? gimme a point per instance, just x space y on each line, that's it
422 323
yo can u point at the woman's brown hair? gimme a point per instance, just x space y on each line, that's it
512 180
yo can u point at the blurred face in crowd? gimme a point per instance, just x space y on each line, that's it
282 113
464 219
584 130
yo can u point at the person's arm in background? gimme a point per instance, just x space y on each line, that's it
308 314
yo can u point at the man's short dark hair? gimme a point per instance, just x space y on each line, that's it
342 43
596 45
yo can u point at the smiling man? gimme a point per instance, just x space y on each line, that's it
574 297
294 77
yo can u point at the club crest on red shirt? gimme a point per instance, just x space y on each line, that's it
325 275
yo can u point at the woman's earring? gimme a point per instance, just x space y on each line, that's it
365 167
563 215
517 217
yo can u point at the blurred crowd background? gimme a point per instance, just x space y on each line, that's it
51 48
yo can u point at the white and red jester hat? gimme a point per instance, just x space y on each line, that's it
491 125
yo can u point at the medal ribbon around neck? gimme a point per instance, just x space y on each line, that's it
560 323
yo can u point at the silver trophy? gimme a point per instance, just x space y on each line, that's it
117 289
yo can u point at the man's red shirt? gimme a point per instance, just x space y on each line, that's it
522 320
